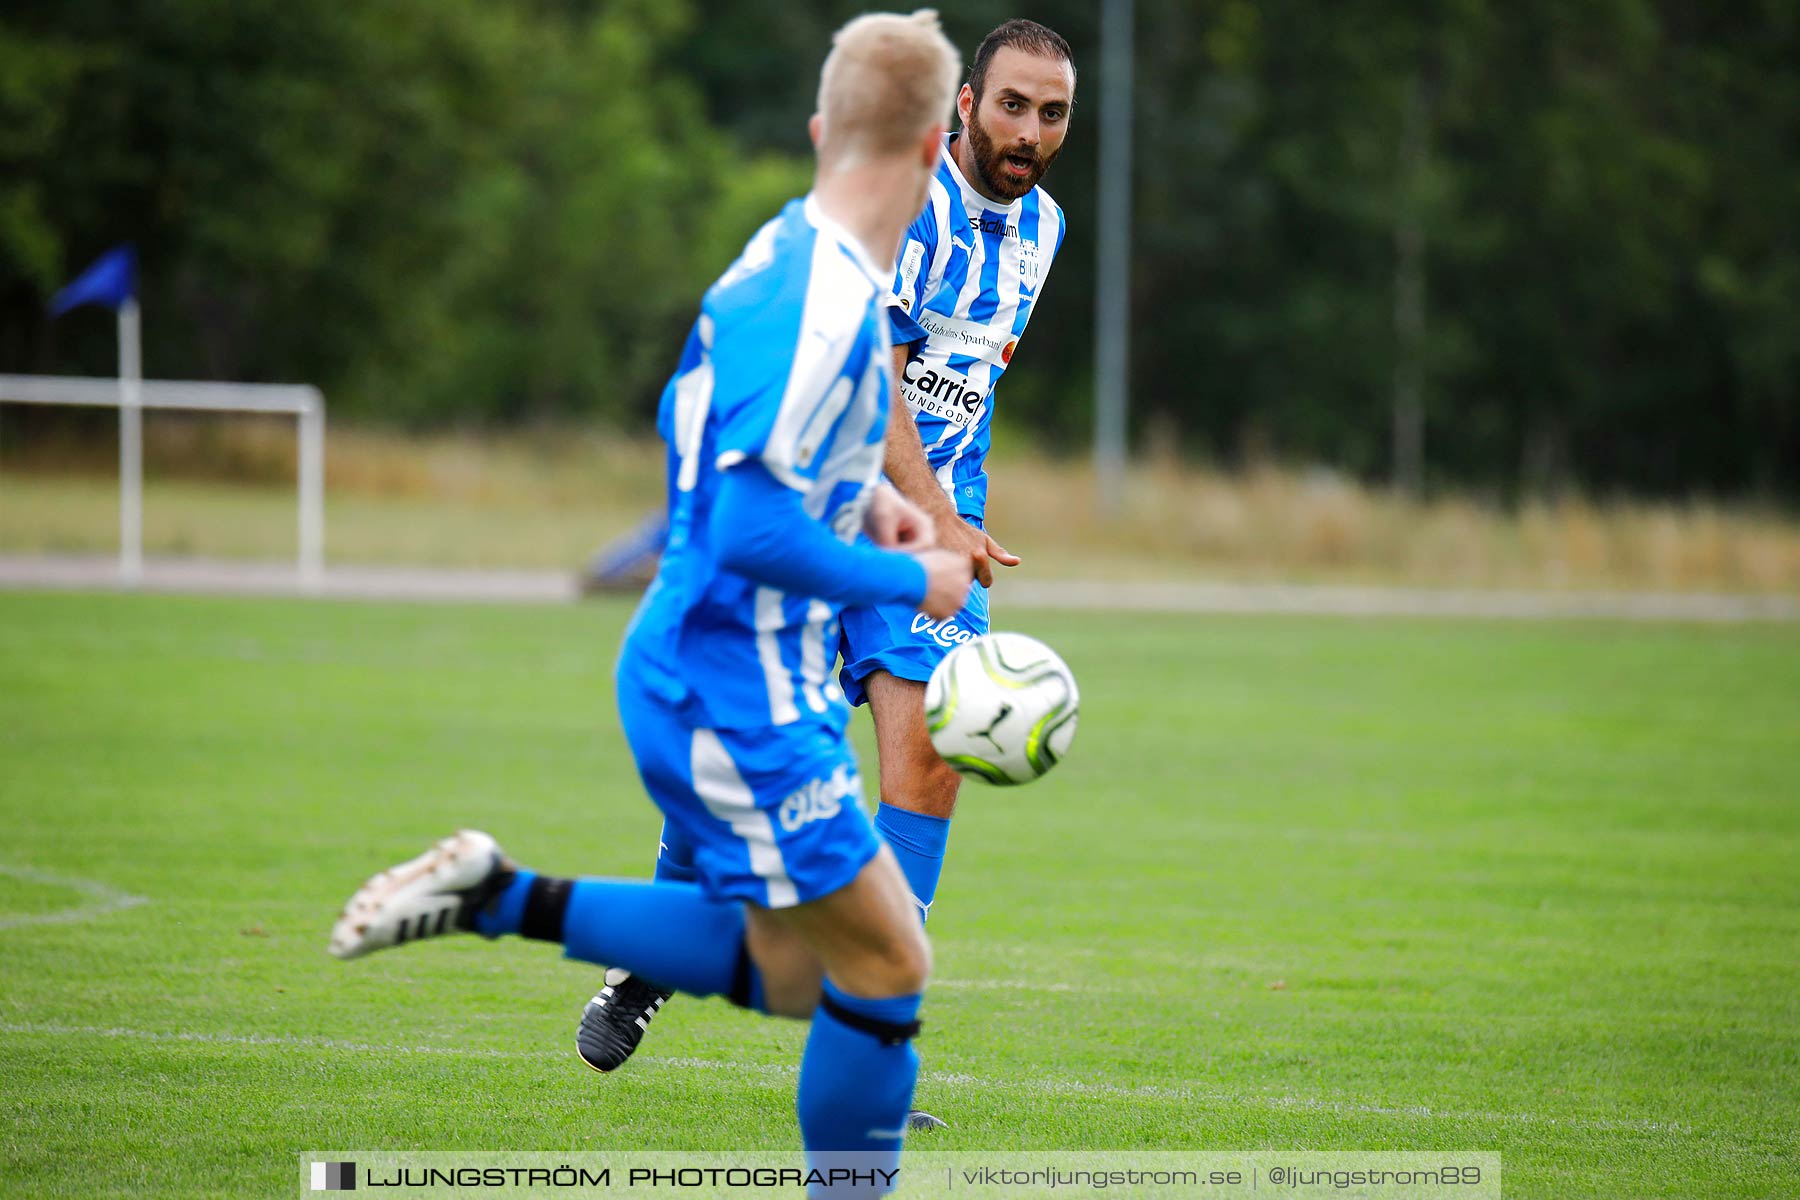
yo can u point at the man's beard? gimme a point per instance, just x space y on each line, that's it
990 162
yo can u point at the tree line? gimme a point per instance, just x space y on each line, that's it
1518 246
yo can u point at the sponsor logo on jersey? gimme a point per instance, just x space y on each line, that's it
966 337
1006 350
993 223
911 259
945 633
945 394
819 800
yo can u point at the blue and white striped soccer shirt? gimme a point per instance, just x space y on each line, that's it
969 274
789 363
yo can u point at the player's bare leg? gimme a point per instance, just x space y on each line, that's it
913 777
864 935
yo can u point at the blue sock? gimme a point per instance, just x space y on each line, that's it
918 841
856 1084
675 857
507 913
669 933
675 864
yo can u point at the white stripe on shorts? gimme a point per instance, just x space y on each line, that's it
812 655
728 797
770 621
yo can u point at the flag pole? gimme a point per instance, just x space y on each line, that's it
131 445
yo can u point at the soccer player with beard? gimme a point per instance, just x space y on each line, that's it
971 269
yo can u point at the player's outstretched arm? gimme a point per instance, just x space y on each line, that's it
761 530
903 458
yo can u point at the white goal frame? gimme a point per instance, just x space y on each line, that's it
131 396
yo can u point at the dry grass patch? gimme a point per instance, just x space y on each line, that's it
547 498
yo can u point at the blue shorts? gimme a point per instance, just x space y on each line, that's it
774 816
903 641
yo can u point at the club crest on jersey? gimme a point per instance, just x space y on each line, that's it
1031 263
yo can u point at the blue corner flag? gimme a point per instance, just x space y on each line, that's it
110 281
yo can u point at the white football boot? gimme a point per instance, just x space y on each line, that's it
433 894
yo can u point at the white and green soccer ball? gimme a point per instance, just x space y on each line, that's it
1002 707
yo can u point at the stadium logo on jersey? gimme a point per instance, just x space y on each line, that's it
819 800
993 223
941 392
966 337
945 633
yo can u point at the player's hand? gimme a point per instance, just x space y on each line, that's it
983 551
948 576
895 523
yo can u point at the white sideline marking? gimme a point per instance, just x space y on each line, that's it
1083 1088
1012 985
259 1039
346 581
105 899
1328 600
935 1079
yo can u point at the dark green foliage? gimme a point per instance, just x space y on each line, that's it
435 210
455 210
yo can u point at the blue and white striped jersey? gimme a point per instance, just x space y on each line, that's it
789 363
969 274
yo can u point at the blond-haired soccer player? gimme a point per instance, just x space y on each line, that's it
776 421
971 269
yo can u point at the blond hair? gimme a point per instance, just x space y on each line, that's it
887 80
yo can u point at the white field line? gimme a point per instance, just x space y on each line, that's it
51 1029
1344 601
103 899
1070 1088
225 577
94 573
1015 985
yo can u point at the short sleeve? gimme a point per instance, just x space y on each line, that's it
752 358
912 277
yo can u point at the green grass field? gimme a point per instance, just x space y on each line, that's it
1302 884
